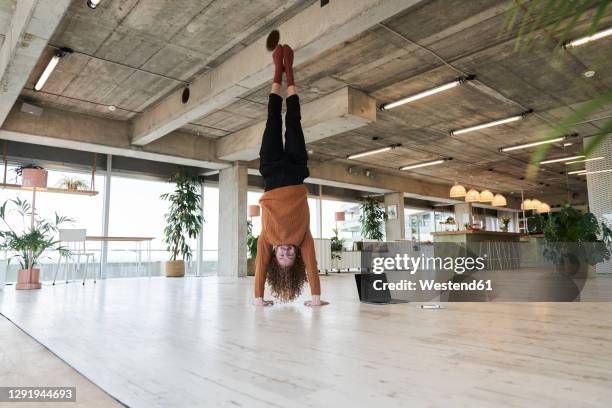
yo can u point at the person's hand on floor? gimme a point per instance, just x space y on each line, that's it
316 301
262 302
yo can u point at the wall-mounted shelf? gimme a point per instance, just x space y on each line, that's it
49 190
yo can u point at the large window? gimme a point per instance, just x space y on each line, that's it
84 211
136 210
349 229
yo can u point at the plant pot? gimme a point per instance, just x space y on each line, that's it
573 268
34 178
175 269
251 267
28 279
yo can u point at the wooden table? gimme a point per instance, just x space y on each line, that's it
137 240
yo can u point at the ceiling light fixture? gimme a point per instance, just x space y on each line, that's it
562 159
532 144
596 172
588 38
499 201
486 196
370 152
457 191
535 204
576 172
585 160
543 208
526 204
92 4
59 54
425 164
427 93
490 124
472 196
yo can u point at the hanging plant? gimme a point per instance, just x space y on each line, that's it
372 219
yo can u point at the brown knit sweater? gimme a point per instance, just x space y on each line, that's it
285 219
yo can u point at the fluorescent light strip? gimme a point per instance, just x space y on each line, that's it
487 125
47 72
561 159
585 160
421 95
589 38
526 145
596 172
416 166
358 155
577 172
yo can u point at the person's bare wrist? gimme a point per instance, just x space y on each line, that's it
259 301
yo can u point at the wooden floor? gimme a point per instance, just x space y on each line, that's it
26 363
198 342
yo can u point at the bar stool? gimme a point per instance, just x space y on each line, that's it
75 240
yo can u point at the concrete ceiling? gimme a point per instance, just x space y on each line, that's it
131 54
7 8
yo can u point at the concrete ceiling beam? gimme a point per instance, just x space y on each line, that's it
343 110
312 32
32 24
77 131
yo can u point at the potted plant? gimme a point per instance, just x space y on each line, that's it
184 220
576 242
252 248
505 222
73 184
337 245
29 244
372 219
32 175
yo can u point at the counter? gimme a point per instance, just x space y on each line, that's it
475 236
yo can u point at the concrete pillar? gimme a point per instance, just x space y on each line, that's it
463 214
200 237
106 216
395 228
599 184
233 220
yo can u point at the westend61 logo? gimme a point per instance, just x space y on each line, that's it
408 263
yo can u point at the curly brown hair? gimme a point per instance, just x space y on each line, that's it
286 283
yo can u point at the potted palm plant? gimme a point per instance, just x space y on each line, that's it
576 241
184 220
29 244
252 248
372 220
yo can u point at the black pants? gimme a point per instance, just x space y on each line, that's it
280 166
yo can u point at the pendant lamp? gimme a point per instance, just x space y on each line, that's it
457 191
486 196
499 201
472 196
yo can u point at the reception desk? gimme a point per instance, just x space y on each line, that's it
499 249
475 236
